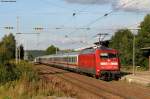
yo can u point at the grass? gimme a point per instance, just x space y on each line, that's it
130 68
148 85
31 86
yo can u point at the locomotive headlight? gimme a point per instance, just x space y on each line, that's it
114 63
103 63
108 63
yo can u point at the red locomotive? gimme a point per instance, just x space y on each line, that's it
102 62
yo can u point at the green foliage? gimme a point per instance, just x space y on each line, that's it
7 48
3 55
21 52
31 86
123 42
9 43
10 72
27 70
143 40
51 50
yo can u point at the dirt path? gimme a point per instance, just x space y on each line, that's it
90 88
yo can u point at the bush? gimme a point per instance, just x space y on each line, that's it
29 86
10 72
27 70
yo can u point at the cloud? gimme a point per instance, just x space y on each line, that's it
88 1
125 5
132 5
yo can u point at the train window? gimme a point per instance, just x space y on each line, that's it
73 59
104 55
107 55
66 59
70 59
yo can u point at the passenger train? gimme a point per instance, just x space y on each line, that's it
101 62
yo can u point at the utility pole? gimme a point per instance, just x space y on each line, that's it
8 29
25 55
133 58
133 54
11 1
16 39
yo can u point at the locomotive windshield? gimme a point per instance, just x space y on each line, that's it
108 55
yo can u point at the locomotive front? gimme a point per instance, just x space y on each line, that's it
107 64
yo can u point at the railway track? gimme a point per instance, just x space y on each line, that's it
69 77
101 89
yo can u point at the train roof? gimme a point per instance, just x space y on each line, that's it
74 54
61 55
92 50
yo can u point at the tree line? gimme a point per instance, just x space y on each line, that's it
123 42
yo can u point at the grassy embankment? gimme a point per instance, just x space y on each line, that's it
23 82
130 68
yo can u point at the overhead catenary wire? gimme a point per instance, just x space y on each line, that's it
75 13
105 15
90 24
79 11
74 41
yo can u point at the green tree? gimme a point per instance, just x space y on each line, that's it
51 50
143 40
7 48
123 42
21 51
3 55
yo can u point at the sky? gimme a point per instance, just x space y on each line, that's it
68 24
